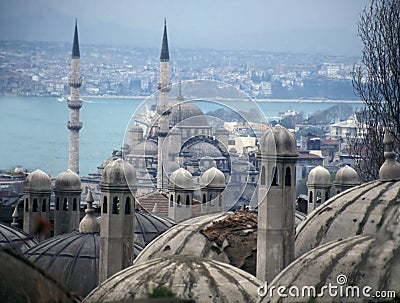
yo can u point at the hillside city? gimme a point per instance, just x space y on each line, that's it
42 69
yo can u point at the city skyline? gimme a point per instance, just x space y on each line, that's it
287 26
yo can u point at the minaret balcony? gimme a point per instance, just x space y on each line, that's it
74 125
164 87
75 82
74 104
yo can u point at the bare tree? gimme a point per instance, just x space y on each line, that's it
377 82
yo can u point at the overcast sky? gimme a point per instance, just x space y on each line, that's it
311 26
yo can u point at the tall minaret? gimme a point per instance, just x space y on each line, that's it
74 104
164 87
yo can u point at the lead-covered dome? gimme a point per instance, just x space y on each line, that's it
278 141
69 181
319 176
188 277
15 238
347 176
212 178
37 181
119 173
181 179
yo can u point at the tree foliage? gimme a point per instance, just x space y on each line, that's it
376 80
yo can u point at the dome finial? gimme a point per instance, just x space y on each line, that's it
89 223
390 169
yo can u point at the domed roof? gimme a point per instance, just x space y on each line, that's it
72 258
37 181
188 277
118 173
180 111
364 209
68 180
356 261
319 176
347 176
147 148
15 238
21 281
278 141
201 149
149 226
181 179
390 170
89 223
213 178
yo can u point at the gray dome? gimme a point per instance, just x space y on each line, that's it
213 178
361 260
68 180
37 181
364 209
119 173
204 149
181 111
319 176
188 277
15 238
147 147
23 282
72 258
278 141
347 176
181 179
390 170
149 226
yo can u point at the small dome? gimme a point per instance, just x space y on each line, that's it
181 111
319 176
89 223
15 238
188 277
68 180
347 176
278 141
147 148
364 209
119 173
37 181
357 261
137 129
181 179
390 169
21 281
213 178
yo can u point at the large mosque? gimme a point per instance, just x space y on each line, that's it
123 253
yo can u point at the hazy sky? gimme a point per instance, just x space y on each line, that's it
327 26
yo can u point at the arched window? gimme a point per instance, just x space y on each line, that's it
65 204
338 192
275 180
128 206
179 200
57 203
26 204
204 199
44 206
288 177
311 197
263 175
326 196
74 204
220 200
171 200
104 205
318 197
187 200
35 206
115 206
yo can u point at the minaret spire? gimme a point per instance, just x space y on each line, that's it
164 49
74 104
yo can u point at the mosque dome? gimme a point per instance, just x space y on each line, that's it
147 148
37 181
347 176
149 226
278 141
21 281
182 111
15 238
188 277
68 180
357 261
119 173
181 179
363 209
213 178
203 149
72 258
390 170
319 176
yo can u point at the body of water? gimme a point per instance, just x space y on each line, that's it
33 130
